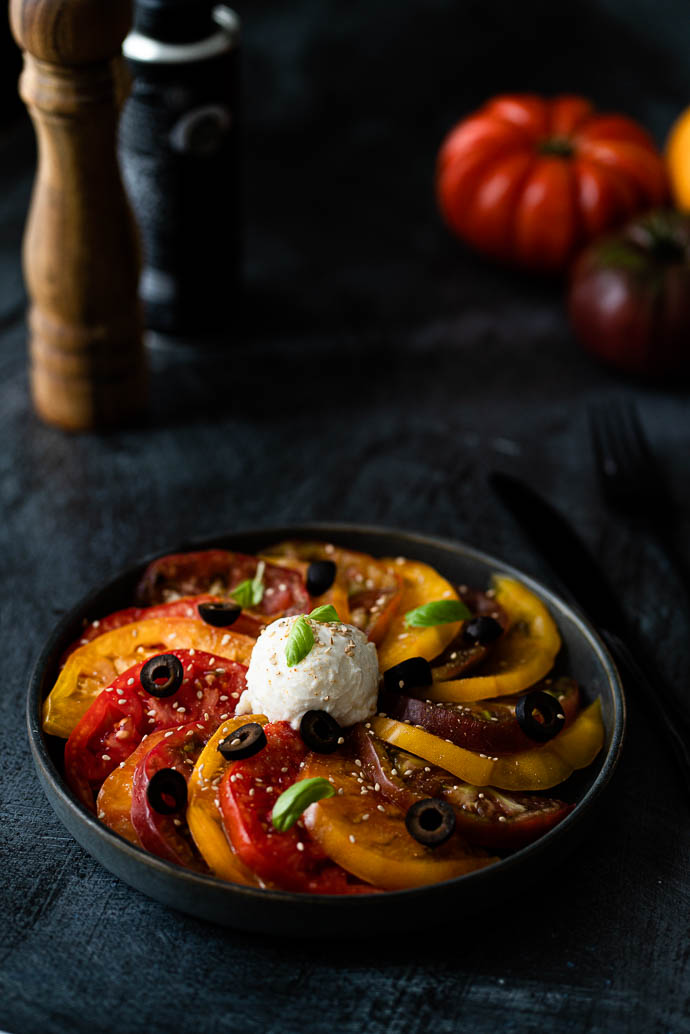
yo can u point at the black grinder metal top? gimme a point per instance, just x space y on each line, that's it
180 162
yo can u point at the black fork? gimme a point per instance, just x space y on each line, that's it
630 478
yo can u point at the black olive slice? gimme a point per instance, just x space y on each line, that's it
482 630
320 731
320 577
550 710
409 674
167 791
219 613
162 676
431 821
244 742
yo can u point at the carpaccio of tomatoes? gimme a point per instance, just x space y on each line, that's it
459 765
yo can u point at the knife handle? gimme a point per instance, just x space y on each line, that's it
669 717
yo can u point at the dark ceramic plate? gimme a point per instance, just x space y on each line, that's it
583 656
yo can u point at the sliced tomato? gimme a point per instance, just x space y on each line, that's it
486 816
366 834
461 655
117 720
114 804
185 607
521 657
535 769
106 736
168 836
371 587
204 817
489 726
420 584
94 666
250 788
218 571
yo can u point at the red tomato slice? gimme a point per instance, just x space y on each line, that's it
219 572
186 607
105 737
168 836
250 788
120 716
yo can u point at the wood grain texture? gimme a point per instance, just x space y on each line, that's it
81 258
381 372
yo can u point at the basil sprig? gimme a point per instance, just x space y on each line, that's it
438 612
301 638
327 612
300 641
294 801
251 592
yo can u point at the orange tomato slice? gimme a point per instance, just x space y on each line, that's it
421 584
204 816
521 657
538 769
93 667
114 803
367 836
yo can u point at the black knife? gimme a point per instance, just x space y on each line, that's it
572 562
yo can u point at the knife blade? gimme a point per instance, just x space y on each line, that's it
556 541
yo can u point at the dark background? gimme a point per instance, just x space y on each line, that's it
378 373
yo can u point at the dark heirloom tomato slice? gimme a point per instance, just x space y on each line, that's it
373 591
485 725
492 818
250 788
218 571
463 653
168 836
119 717
186 607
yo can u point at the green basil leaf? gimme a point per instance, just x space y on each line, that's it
438 612
326 612
251 592
294 801
300 641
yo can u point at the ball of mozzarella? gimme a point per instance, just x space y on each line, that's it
340 675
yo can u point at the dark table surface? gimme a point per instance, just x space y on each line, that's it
382 372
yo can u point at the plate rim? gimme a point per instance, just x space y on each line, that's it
49 773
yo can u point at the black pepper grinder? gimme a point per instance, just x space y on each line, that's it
180 163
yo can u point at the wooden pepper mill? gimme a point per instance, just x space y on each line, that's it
81 256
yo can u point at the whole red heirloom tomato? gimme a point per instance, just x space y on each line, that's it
629 298
528 180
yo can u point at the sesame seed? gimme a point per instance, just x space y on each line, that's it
381 808
352 839
300 846
358 763
341 739
106 757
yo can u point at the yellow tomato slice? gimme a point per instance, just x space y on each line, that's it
521 657
537 769
115 796
421 584
367 836
94 666
203 813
